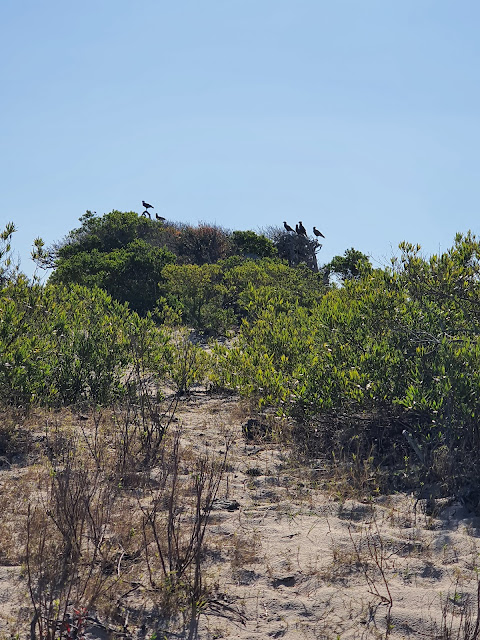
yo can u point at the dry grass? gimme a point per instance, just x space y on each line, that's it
103 516
111 518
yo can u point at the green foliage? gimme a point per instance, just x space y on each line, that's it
188 362
112 253
264 358
130 274
251 244
350 266
6 267
60 346
214 297
63 345
23 345
114 230
403 343
197 291
250 283
125 254
441 319
88 346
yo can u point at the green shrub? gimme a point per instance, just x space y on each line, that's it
197 292
251 244
88 345
188 363
402 344
129 274
24 365
60 345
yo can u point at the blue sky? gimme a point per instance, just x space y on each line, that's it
359 116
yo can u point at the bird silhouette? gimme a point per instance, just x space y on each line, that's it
159 217
147 206
301 229
318 233
287 227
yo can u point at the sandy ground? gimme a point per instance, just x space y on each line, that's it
289 560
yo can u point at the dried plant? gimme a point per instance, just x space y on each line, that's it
65 549
174 525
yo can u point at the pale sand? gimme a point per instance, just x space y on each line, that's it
294 562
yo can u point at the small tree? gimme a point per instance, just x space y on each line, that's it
120 252
350 266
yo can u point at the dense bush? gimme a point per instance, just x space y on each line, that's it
60 346
124 254
202 244
250 282
67 345
248 243
63 345
197 293
23 344
117 253
399 347
402 343
215 297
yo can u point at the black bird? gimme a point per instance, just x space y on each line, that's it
159 217
287 227
318 233
147 206
301 229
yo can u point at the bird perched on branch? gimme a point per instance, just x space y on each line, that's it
147 206
318 233
161 218
287 227
300 229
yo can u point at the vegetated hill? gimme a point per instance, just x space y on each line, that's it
196 273
390 350
373 383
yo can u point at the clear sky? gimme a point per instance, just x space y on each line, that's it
359 116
